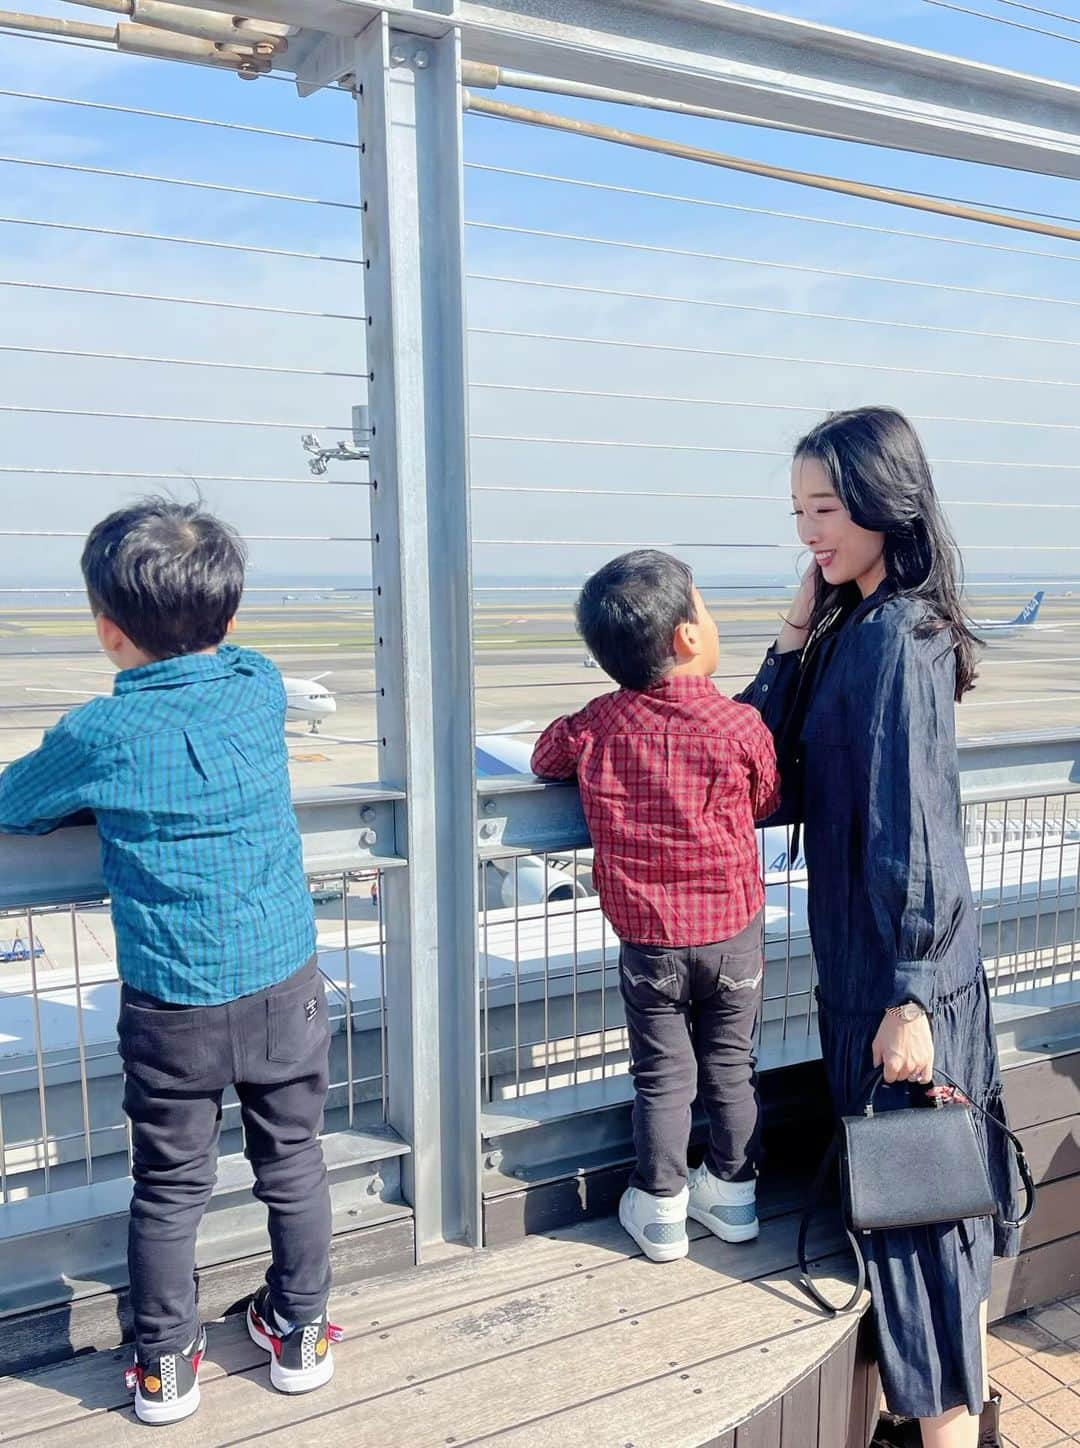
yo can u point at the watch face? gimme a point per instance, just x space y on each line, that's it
910 1011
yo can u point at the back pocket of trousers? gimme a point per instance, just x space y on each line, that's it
162 1045
296 1022
649 971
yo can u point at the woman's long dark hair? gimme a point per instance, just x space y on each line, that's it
879 471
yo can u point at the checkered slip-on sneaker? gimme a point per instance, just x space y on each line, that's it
167 1388
301 1360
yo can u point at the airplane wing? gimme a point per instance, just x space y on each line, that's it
505 752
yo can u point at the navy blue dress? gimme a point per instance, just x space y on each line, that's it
865 736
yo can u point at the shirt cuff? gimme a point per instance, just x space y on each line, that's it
776 669
915 980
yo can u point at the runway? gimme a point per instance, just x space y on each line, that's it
529 667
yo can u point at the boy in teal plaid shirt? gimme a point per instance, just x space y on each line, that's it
185 770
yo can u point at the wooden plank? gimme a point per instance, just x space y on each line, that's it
1044 1090
38 1339
584 1196
1056 1214
480 1298
835 1394
91 1386
576 1197
868 1345
675 1410
1036 1278
1053 1148
799 1423
383 1302
222 1290
865 1389
595 1386
763 1429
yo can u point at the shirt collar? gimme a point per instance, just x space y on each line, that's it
170 673
675 685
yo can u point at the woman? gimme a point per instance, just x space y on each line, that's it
858 691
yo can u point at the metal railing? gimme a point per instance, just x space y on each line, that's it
549 979
61 1118
550 1013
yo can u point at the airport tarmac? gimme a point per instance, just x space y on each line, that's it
529 668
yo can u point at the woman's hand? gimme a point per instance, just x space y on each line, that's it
904 1049
796 624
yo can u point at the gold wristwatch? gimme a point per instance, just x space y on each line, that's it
908 1011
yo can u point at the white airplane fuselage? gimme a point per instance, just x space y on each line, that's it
308 700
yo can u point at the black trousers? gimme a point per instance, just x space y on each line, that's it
691 1014
273 1046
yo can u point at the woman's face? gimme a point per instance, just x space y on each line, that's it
844 552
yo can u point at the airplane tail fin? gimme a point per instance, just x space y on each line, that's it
1030 611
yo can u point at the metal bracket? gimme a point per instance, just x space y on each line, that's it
359 451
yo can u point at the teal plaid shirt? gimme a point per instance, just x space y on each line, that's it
185 770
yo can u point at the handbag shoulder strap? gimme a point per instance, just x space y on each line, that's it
1017 1145
817 1194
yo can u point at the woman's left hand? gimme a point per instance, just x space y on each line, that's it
904 1049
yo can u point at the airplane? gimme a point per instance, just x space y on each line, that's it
309 699
988 629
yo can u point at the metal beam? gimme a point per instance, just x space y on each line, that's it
519 813
411 181
768 68
341 829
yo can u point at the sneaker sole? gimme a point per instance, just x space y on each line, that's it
745 1233
159 1413
292 1380
655 1251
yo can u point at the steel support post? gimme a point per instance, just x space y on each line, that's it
411 174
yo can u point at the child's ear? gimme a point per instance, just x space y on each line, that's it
110 637
230 625
686 643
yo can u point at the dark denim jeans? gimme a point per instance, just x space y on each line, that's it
273 1047
691 1013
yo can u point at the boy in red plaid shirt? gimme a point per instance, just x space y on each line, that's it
672 776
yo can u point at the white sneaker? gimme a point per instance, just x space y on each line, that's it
657 1224
727 1208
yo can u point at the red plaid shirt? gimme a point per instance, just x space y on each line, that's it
671 781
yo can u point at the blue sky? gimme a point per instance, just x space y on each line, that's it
676 249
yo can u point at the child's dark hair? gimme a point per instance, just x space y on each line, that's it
629 610
168 574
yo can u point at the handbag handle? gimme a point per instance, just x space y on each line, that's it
1021 1158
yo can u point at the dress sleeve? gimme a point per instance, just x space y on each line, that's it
773 694
907 791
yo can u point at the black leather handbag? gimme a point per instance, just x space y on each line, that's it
914 1167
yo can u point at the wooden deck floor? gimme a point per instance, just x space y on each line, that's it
570 1339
